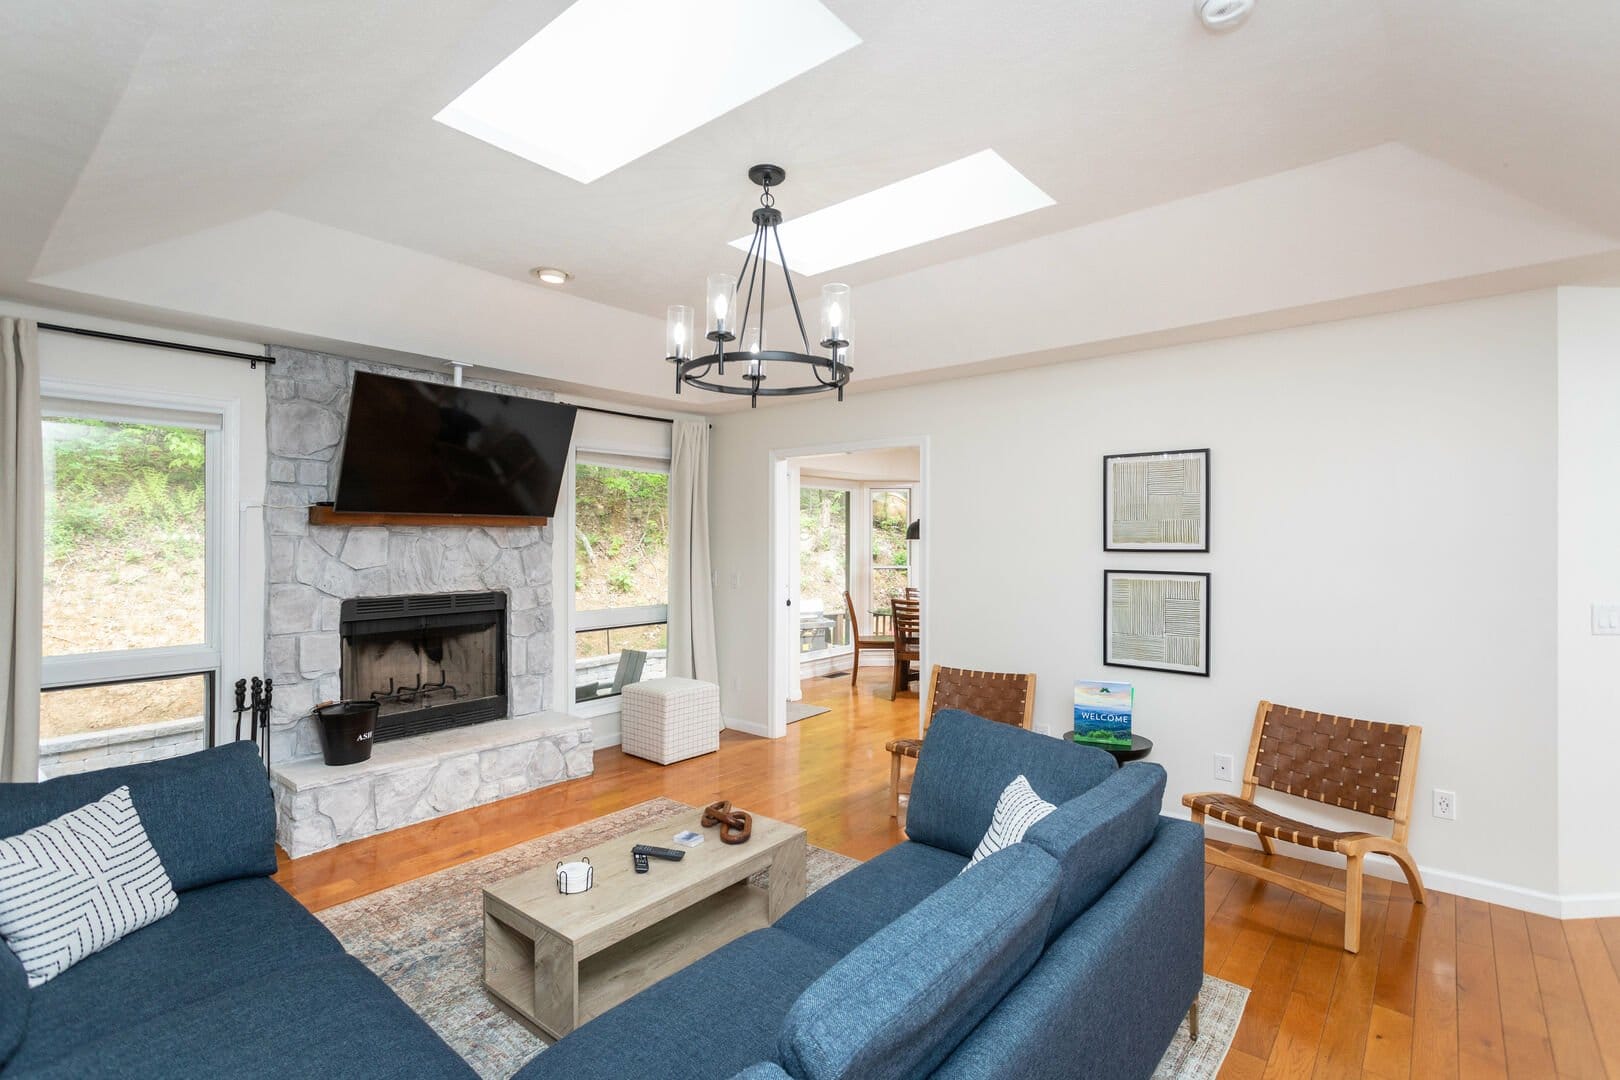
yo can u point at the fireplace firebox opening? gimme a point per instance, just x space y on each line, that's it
430 661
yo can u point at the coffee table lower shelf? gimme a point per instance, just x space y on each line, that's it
548 986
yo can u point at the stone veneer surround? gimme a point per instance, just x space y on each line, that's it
312 569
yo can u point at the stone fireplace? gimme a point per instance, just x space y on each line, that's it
431 662
326 582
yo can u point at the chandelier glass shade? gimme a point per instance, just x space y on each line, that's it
733 321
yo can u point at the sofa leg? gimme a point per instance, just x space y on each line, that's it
1192 1019
894 785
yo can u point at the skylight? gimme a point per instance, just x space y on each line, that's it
973 191
610 80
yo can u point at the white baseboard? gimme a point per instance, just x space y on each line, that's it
747 727
1579 906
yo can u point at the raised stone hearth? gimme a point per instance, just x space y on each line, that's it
425 776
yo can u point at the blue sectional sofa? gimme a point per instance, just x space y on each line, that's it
1073 954
240 981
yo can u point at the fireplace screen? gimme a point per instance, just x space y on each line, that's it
430 662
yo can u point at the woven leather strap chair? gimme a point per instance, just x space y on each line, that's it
863 642
1359 765
907 641
1006 699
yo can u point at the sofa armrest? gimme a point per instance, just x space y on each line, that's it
1137 955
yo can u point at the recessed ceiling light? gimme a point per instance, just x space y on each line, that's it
638 74
551 275
973 191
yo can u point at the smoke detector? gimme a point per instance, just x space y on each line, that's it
1222 15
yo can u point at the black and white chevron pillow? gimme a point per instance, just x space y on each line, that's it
77 884
1017 809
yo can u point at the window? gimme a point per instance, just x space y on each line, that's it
621 575
823 569
891 516
129 635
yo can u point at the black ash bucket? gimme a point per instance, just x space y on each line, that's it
346 728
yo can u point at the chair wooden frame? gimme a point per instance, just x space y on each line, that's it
1268 765
1022 715
907 613
863 642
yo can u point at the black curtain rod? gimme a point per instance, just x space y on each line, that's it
252 359
616 412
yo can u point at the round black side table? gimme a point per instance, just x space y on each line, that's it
1141 746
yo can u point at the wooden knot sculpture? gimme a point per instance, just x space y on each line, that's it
736 826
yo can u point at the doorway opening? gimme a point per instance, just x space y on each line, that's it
847 537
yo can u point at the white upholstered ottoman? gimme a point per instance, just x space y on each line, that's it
667 720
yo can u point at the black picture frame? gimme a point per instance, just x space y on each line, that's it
1109 541
1205 622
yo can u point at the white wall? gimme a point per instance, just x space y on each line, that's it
1588 573
1383 546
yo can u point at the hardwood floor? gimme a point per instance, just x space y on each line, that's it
1454 988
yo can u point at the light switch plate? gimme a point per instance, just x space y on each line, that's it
1606 619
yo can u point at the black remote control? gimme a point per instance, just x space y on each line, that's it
658 852
640 861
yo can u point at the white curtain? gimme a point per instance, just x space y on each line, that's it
22 559
692 653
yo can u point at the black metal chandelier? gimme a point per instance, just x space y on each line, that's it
754 365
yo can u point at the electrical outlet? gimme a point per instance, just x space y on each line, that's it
1223 767
1445 804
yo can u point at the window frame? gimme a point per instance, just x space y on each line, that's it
220 649
852 490
600 619
872 492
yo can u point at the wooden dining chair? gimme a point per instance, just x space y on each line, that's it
1359 765
863 642
1004 698
907 641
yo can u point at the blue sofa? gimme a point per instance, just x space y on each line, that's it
239 981
1073 954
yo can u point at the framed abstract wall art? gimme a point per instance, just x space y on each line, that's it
1156 502
1157 621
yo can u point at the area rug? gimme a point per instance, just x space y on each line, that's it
425 939
799 711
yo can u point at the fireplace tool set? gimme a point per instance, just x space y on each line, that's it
257 708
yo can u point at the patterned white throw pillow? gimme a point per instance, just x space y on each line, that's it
1017 809
75 885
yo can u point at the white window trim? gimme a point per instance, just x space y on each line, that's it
573 620
854 489
221 650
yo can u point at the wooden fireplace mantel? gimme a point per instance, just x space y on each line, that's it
325 514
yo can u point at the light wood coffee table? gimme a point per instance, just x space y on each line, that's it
560 960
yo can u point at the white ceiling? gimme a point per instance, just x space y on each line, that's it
272 170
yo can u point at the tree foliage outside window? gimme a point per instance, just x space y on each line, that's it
824 555
891 516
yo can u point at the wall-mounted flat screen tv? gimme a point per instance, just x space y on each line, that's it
414 447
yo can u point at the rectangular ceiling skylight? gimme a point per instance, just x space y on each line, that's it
953 198
610 80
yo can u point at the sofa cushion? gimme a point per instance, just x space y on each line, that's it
712 1019
221 937
764 1070
75 885
328 1017
967 761
1097 836
210 814
845 912
14 1001
898 1004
